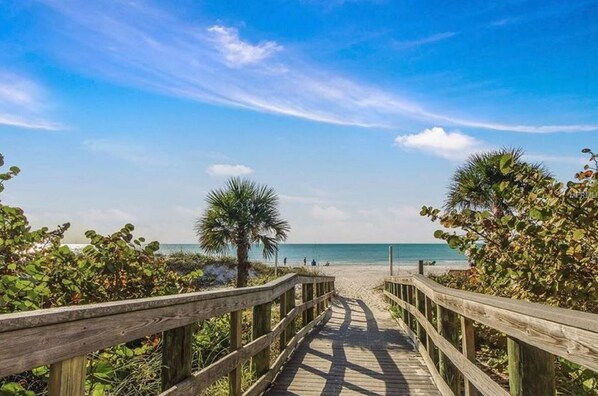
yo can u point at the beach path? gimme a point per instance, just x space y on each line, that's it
359 350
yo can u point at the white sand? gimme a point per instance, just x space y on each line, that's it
359 281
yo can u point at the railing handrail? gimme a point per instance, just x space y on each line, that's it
563 316
536 333
48 316
35 338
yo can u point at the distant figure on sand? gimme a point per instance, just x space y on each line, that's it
304 260
313 262
284 261
327 264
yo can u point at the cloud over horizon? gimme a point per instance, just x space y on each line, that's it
138 44
450 145
228 170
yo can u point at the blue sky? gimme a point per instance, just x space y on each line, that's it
356 112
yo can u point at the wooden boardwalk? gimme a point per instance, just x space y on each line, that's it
355 352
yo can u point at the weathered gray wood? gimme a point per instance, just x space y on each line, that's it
67 378
202 379
291 328
531 370
262 322
308 296
468 348
429 313
419 304
177 355
469 370
103 325
44 317
236 328
262 383
420 267
341 360
562 332
447 328
283 312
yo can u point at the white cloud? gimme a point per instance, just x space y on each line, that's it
228 170
328 213
21 103
449 145
140 45
238 52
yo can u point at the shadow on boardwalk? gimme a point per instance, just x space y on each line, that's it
355 352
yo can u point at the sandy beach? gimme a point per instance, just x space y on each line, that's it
359 281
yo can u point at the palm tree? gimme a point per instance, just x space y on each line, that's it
475 184
241 214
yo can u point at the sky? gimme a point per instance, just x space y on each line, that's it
356 112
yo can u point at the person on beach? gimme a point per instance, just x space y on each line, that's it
313 262
304 260
284 261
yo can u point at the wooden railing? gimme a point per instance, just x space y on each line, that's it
62 337
440 321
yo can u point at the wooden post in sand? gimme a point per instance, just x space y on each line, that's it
390 259
276 263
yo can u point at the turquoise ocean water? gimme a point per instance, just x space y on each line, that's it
346 253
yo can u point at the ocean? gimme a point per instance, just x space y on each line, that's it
348 253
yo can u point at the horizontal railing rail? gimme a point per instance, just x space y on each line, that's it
62 337
440 321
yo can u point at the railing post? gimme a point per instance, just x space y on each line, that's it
67 378
531 370
411 300
419 304
468 347
448 328
291 328
177 355
420 267
320 293
430 317
262 324
283 313
405 298
308 295
236 327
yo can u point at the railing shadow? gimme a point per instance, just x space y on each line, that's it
329 355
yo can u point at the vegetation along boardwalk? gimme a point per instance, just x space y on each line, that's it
314 344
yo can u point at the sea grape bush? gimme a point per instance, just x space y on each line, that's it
545 248
38 271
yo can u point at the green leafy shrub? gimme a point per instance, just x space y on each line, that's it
542 246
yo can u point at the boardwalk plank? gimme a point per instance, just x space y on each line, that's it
355 352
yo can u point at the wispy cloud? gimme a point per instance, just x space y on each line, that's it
450 145
239 53
228 170
401 45
21 103
138 44
328 213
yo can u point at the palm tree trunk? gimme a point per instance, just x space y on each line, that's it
242 265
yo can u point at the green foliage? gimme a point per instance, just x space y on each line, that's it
480 183
537 240
544 248
242 214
